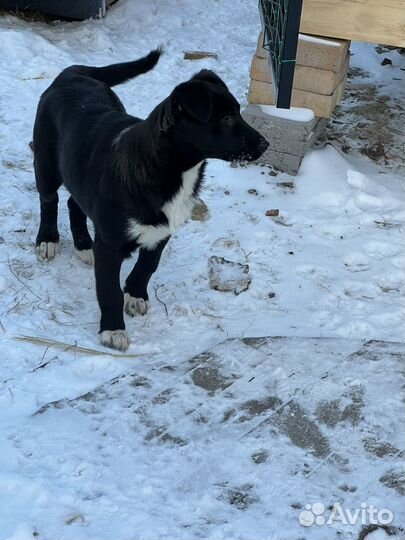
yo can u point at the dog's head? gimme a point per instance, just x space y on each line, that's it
204 116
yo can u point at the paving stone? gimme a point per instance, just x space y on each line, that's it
254 408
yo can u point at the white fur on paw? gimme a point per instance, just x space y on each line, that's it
115 339
135 306
86 256
46 251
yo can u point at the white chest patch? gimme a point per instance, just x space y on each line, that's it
177 210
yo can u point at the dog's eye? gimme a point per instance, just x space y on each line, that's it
226 121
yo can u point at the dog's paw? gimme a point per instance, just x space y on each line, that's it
135 306
115 339
86 256
46 251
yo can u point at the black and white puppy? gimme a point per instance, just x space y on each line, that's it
137 180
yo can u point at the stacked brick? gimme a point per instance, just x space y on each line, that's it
319 78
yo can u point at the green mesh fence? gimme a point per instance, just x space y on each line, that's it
281 22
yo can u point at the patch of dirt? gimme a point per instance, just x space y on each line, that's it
255 407
160 434
369 122
353 412
170 439
255 342
163 397
260 457
137 381
332 412
241 497
380 449
294 422
348 489
329 412
375 351
210 379
394 479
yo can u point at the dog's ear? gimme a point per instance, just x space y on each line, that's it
193 98
209 76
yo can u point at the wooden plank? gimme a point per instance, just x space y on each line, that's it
322 105
320 81
312 51
376 21
199 55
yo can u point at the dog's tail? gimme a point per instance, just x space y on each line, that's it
120 73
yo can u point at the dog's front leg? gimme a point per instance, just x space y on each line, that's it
107 262
136 285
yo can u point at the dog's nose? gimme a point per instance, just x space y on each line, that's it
262 146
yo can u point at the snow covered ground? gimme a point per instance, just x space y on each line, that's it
331 265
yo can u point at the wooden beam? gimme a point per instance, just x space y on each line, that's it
375 21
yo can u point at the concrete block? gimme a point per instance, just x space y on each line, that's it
289 140
311 79
321 53
283 134
322 105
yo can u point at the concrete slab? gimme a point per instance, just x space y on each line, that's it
282 429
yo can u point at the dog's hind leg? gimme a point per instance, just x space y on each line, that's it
136 286
48 183
81 237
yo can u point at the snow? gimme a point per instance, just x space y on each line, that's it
4 284
331 266
316 39
298 114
